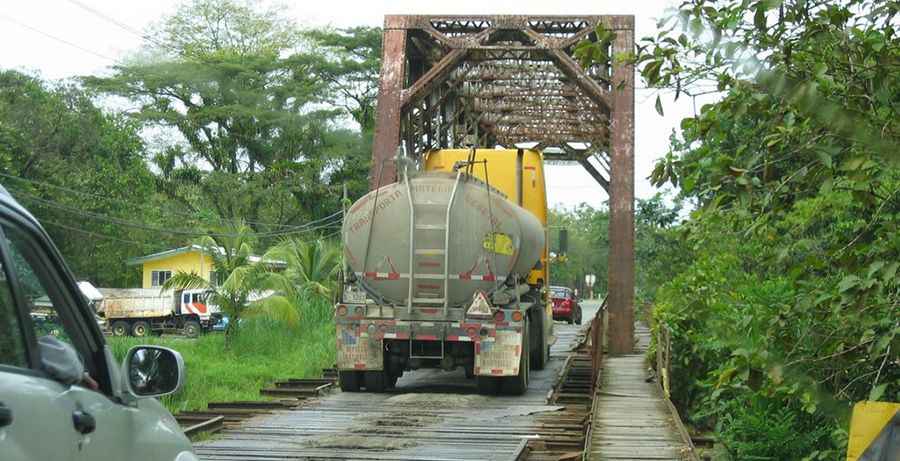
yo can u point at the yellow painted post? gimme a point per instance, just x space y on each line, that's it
874 432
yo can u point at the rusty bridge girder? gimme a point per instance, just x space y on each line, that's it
454 81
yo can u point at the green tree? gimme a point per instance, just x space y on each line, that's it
310 265
68 161
351 64
588 230
785 305
259 142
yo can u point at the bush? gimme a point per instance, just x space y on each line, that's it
263 352
764 429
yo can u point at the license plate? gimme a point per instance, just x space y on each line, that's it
354 296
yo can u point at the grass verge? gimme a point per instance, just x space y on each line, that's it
259 354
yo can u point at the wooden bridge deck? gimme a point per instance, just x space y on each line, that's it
632 419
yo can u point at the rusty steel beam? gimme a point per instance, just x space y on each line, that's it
595 174
621 208
572 70
441 70
433 77
387 121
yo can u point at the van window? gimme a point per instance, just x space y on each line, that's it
40 303
12 339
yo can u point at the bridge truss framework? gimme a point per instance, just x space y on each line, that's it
455 81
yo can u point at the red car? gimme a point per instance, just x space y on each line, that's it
565 305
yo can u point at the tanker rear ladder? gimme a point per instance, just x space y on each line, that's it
414 251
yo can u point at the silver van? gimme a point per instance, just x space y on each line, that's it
62 395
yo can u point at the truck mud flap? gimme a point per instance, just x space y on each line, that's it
499 356
357 350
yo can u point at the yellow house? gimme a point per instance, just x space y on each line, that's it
159 267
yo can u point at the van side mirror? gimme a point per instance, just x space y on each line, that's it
153 371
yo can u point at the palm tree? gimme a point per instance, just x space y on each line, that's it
246 287
311 267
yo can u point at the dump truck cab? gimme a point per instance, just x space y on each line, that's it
447 268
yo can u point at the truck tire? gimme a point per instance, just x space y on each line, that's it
538 356
191 329
349 380
518 385
140 329
120 328
375 381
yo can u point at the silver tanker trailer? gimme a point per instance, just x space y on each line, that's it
443 270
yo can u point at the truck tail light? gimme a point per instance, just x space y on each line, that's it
499 316
517 316
341 310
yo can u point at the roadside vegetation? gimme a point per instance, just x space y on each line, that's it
280 320
263 352
781 289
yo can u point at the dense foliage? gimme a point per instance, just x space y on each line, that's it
588 245
254 134
782 291
587 252
55 144
238 116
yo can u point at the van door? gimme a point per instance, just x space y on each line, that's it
35 422
80 420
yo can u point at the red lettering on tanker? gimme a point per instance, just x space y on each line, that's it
367 215
483 209
440 188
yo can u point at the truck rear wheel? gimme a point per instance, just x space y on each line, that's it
517 385
140 329
120 328
539 354
349 380
191 329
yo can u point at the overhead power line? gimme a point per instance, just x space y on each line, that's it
112 200
117 23
53 37
91 233
321 223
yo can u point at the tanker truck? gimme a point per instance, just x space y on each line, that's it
447 268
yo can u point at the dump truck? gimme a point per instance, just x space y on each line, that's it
142 311
448 268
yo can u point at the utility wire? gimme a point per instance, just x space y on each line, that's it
120 201
119 24
53 37
93 234
124 222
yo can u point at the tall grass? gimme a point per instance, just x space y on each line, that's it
262 352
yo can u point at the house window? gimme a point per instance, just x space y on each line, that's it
158 278
214 278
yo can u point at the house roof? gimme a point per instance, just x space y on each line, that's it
187 249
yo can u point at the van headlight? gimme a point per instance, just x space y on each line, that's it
186 456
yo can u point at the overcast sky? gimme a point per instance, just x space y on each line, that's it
94 43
